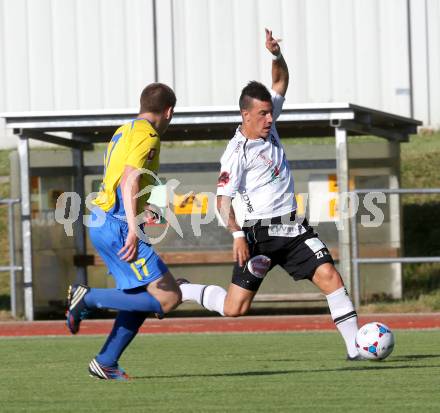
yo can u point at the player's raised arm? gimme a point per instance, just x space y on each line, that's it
280 72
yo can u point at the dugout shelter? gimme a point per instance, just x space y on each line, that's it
336 170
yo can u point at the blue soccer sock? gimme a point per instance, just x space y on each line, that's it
136 299
125 328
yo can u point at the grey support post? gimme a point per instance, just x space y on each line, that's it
12 260
26 227
356 282
396 224
344 222
79 229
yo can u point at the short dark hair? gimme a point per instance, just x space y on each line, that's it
253 90
157 97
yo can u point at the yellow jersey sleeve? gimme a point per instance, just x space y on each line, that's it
134 144
142 149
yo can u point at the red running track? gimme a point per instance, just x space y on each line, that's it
219 324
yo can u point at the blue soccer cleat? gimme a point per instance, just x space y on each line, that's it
76 307
107 373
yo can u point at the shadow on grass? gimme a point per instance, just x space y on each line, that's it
5 302
411 357
358 367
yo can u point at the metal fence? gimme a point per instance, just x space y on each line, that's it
356 261
12 267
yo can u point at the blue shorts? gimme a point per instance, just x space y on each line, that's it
109 239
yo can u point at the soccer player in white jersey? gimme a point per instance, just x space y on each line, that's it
254 167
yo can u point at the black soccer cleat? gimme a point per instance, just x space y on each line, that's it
76 307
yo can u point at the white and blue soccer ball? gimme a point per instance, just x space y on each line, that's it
375 341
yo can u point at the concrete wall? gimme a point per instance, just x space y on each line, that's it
94 54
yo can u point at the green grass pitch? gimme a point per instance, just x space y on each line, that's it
283 372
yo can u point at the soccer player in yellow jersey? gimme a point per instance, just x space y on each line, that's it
143 283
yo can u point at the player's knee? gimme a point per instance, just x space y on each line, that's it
330 274
171 301
235 311
328 278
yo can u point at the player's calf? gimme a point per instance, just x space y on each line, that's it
236 308
238 301
166 291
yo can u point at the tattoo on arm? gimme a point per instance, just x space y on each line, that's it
280 76
226 211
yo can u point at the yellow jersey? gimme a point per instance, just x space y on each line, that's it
135 144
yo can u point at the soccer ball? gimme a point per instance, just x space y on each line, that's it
374 341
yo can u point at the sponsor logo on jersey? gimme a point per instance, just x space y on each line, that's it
238 146
274 174
247 201
266 161
259 265
286 230
223 179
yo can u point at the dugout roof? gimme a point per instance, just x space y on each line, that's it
300 120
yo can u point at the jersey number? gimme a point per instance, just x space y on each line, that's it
138 265
110 148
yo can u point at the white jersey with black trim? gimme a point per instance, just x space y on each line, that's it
258 170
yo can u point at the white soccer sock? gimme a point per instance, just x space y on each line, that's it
345 318
191 292
212 297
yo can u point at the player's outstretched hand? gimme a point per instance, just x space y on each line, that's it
129 251
240 251
272 44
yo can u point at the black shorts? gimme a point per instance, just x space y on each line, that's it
283 241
